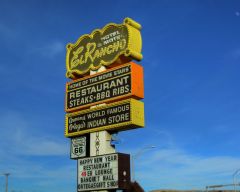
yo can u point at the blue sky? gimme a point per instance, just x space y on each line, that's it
191 62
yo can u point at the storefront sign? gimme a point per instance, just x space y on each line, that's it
123 115
80 147
117 83
113 43
104 172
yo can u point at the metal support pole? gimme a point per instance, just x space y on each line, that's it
132 166
206 188
6 174
102 146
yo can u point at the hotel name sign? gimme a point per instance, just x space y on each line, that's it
115 43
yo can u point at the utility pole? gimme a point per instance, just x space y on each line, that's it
6 174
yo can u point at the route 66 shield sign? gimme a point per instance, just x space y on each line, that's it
78 147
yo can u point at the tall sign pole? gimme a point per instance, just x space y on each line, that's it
101 139
102 98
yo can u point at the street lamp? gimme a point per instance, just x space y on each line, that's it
234 178
136 155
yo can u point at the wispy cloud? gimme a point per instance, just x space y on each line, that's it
233 54
18 137
53 49
171 165
6 33
29 154
21 168
236 54
174 168
48 50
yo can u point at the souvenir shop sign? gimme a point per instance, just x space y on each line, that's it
123 115
104 172
115 84
114 43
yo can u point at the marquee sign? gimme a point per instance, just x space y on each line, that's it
114 43
104 172
114 84
123 115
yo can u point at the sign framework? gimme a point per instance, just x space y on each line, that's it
122 115
113 47
110 171
115 84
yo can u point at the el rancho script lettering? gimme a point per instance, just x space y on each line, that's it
98 48
113 44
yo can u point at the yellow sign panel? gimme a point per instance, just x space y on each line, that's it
115 43
124 115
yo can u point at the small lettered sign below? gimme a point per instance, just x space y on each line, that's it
111 171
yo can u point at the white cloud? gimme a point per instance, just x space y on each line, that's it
18 137
6 32
233 54
27 174
30 155
163 167
174 168
37 169
169 166
53 49
49 50
44 146
236 54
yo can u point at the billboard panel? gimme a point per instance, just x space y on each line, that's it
122 115
115 84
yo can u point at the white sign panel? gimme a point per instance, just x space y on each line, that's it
99 172
78 147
